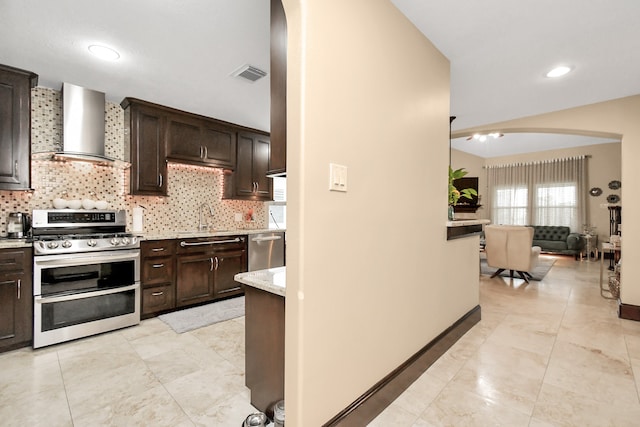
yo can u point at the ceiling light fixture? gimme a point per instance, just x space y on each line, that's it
483 137
104 52
558 71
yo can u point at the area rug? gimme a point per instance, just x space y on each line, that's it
193 318
538 273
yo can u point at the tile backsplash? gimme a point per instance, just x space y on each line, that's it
188 186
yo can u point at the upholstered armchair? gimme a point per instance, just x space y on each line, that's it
509 247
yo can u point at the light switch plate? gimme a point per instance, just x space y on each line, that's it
337 177
238 217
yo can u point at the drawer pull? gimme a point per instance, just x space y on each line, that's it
157 294
157 249
158 265
19 288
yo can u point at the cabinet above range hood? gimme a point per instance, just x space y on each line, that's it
83 113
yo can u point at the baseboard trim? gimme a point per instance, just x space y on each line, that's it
628 311
369 405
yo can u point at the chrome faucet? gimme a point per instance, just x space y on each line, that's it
201 225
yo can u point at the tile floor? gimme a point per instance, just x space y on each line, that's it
551 353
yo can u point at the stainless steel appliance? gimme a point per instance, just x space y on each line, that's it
266 250
18 225
86 274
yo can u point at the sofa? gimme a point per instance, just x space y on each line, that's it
558 240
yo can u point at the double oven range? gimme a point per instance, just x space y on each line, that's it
86 274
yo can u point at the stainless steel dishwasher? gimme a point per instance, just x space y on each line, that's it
266 250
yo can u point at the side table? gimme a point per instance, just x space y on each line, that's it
606 248
590 247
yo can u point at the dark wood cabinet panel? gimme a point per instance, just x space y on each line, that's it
206 267
145 140
200 141
194 279
249 181
157 276
264 362
278 154
157 299
220 145
227 265
15 127
16 299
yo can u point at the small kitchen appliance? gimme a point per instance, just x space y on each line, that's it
18 225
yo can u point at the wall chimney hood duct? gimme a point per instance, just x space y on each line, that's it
83 125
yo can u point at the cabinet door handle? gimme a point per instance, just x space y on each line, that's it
160 180
206 153
217 262
15 168
19 288
211 264
201 152
158 265
157 294
157 249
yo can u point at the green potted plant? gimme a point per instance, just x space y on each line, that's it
454 193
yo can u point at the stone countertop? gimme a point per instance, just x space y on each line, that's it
205 233
272 280
465 222
6 243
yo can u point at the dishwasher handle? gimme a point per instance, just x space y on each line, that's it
266 239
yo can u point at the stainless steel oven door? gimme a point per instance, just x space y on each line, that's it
85 294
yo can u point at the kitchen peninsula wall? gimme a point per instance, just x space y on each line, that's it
188 186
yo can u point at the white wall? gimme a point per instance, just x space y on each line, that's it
367 286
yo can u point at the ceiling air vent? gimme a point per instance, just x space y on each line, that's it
250 73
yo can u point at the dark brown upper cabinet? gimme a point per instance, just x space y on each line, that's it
145 138
249 181
200 141
15 127
278 161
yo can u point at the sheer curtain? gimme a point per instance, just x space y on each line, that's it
551 192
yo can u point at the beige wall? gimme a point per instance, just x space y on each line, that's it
617 118
603 167
366 90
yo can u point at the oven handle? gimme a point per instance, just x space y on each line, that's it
214 242
47 300
56 260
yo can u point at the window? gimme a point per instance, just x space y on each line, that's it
278 208
557 204
510 206
548 192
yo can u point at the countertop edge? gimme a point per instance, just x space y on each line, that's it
186 235
466 222
271 280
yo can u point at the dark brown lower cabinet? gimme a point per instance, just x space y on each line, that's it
264 347
16 298
205 268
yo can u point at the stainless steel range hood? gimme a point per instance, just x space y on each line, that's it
83 125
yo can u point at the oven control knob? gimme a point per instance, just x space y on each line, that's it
52 245
114 241
66 244
91 243
125 240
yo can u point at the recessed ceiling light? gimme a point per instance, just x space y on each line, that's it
559 71
104 52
